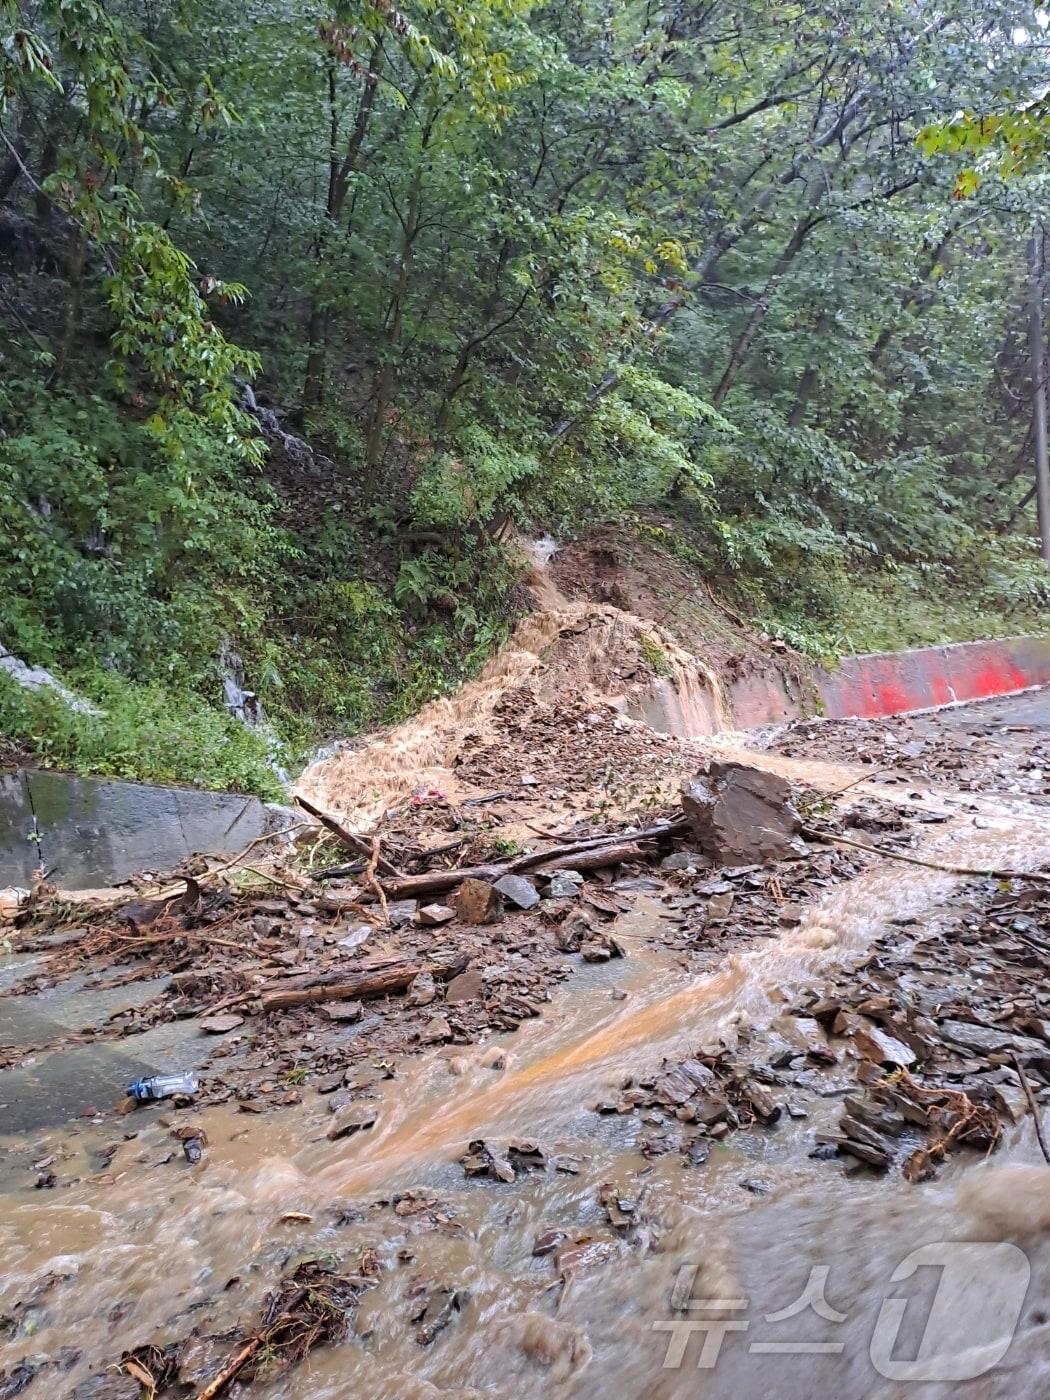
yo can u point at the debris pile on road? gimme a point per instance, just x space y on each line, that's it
936 1042
312 1306
971 750
298 979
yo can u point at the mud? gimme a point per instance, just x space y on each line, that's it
578 681
633 1204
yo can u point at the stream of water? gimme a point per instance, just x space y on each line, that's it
141 1249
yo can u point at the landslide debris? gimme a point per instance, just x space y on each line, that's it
936 1042
977 748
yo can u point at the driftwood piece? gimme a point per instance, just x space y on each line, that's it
590 854
349 839
375 978
599 858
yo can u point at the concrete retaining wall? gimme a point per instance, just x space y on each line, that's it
892 683
863 687
93 831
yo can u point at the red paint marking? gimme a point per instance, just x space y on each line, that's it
876 686
893 699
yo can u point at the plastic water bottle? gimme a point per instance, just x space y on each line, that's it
163 1086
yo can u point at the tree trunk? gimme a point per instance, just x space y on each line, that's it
12 167
72 315
810 376
1037 365
913 298
339 172
727 237
761 306
383 386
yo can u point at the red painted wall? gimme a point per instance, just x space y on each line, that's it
893 683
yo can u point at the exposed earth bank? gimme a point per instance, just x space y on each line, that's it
670 1042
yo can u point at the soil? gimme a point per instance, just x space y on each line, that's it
633 571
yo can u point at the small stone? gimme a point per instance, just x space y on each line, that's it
329 1083
548 1243
565 884
581 1255
684 860
436 1031
698 1151
881 1048
595 950
401 912
354 1118
423 990
983 1039
719 907
468 986
756 1185
356 936
342 1010
432 914
569 935
220 1025
563 1162
518 891
621 1210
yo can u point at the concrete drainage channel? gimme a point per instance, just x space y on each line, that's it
89 832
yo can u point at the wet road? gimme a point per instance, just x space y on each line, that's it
133 1245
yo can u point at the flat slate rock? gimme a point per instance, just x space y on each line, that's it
518 891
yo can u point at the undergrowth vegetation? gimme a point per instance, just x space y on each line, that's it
490 267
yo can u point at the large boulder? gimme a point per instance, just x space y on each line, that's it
741 815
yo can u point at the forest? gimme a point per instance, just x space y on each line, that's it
306 308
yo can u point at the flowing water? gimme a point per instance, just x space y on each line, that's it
144 1249
359 782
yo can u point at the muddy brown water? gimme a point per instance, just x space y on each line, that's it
145 1249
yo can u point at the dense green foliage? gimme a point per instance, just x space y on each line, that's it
496 263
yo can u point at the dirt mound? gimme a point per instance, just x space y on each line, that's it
569 671
622 631
639 574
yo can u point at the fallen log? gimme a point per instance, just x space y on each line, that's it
600 858
348 838
375 978
603 850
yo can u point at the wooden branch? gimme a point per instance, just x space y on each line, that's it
1033 1106
601 858
229 1371
375 978
604 847
814 835
348 838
